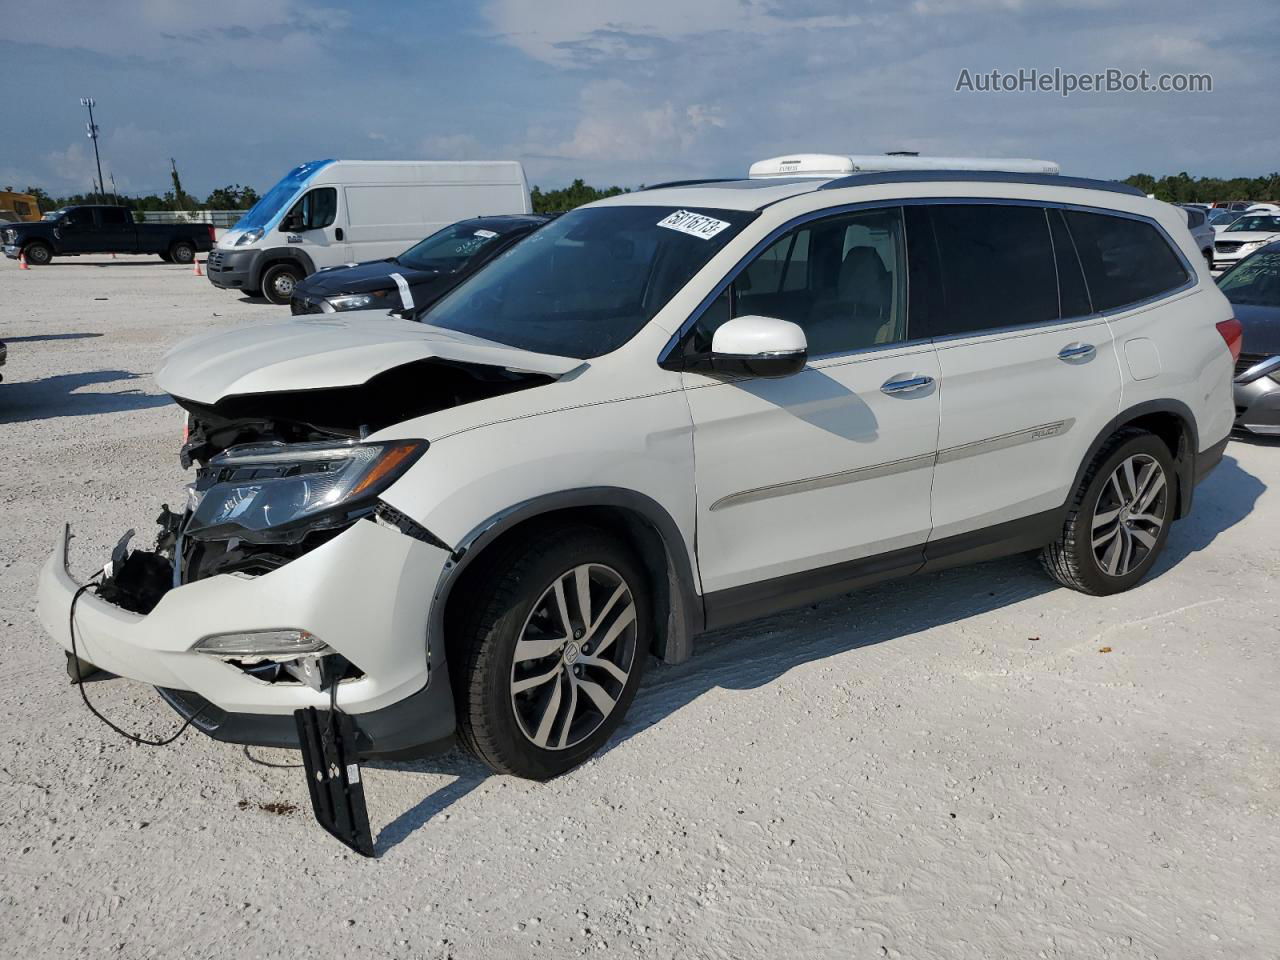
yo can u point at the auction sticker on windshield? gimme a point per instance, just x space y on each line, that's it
694 224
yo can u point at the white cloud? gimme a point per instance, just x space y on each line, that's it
203 36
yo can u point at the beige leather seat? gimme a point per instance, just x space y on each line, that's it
860 312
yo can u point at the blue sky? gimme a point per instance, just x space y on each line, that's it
619 91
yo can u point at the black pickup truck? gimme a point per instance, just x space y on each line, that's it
103 229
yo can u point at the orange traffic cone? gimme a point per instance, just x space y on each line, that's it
198 272
22 262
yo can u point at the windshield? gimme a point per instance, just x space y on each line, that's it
274 200
1253 223
1255 281
449 250
1223 216
54 214
586 283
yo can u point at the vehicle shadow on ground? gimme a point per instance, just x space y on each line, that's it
1224 499
43 337
56 396
752 655
77 262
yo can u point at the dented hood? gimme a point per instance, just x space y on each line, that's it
309 354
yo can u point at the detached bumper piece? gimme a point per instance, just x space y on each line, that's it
328 740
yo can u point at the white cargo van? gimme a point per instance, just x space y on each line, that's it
330 212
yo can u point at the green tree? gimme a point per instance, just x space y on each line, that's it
566 198
1183 188
232 197
180 199
46 202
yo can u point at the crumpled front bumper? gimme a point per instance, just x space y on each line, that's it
366 593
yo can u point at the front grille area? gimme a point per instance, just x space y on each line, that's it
1223 246
215 260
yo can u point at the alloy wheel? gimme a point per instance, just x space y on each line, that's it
1129 515
573 656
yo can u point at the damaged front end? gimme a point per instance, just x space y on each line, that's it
252 509
279 473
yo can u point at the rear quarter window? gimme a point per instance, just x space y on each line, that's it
1125 260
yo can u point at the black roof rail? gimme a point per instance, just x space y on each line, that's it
979 176
687 183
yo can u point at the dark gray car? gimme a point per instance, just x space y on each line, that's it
1253 287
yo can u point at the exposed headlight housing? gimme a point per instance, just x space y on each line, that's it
278 493
249 236
355 301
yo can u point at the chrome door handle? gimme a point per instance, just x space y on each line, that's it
906 386
1077 351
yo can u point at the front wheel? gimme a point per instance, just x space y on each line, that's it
548 655
38 254
278 283
1119 519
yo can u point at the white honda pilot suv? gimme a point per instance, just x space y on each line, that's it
661 413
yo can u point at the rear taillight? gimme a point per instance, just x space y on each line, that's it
213 238
1233 333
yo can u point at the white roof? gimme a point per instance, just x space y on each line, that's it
724 195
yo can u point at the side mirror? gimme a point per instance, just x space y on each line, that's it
759 347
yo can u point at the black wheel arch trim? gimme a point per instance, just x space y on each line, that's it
684 608
273 255
1184 459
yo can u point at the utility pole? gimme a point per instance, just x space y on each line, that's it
90 103
115 194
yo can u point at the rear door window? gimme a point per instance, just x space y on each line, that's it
112 217
1125 260
980 266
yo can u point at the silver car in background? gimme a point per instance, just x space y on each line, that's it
1253 287
1201 232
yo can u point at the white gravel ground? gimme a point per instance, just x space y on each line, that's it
975 764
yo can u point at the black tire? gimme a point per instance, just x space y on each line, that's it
182 251
1078 557
278 282
38 253
505 603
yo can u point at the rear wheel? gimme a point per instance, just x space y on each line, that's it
547 658
1119 519
183 251
37 253
278 282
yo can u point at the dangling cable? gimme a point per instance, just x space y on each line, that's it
75 656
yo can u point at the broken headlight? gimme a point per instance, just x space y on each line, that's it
260 492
